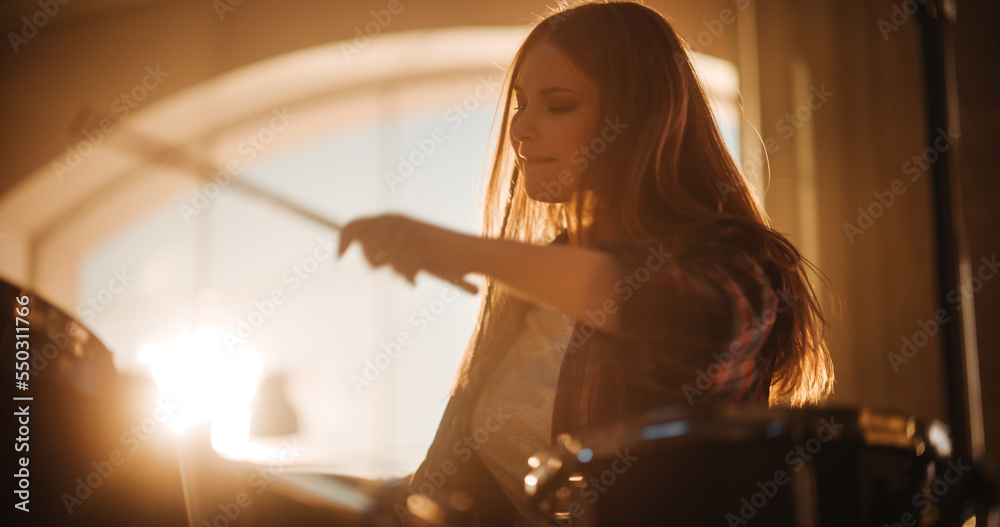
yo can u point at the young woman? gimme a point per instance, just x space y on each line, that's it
627 265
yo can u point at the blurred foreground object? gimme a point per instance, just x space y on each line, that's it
96 452
742 465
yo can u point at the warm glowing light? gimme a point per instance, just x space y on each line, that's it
939 436
207 379
530 484
426 509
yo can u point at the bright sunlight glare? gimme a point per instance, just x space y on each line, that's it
208 381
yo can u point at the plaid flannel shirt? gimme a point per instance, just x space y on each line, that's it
694 315
693 319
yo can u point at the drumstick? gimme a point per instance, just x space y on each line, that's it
153 149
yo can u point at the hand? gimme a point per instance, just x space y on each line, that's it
409 246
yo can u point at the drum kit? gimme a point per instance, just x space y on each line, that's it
738 465
699 465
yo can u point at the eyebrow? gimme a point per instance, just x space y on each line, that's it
549 90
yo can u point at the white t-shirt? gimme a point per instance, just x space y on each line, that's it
523 387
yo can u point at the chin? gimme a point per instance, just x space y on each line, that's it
539 193
547 190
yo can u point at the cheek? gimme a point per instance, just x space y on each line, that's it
580 136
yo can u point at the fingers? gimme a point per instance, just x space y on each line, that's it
372 233
375 240
350 232
402 251
466 286
459 282
402 244
385 240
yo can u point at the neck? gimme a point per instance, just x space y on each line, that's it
576 231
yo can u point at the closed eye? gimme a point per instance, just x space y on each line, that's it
553 109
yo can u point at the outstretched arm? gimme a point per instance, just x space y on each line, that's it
571 279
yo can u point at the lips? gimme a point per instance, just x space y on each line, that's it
535 159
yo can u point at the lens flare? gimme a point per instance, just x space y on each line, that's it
207 379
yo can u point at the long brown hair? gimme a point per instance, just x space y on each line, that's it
672 175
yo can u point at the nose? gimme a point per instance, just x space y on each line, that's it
522 127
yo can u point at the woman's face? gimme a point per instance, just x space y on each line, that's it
553 124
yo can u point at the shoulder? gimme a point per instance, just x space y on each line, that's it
703 278
726 235
738 246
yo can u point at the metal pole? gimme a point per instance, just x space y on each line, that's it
959 350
